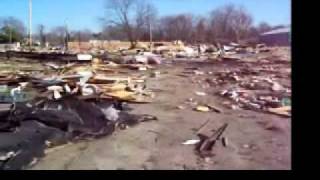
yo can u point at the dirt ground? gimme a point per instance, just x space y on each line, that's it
157 145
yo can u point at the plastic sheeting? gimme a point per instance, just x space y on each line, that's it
26 130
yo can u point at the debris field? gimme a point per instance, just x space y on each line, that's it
174 108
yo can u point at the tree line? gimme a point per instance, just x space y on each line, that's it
136 20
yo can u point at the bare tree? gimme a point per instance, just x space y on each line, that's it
42 35
113 32
179 27
219 28
14 23
231 23
57 35
131 20
200 31
158 31
11 30
264 27
129 15
145 18
83 35
240 22
120 11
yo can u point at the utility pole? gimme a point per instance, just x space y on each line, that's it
150 32
30 23
79 38
10 34
67 36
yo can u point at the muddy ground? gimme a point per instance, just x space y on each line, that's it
157 145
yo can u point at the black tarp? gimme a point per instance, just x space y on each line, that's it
25 130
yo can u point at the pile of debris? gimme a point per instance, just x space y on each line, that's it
74 102
249 90
255 88
142 58
229 51
176 50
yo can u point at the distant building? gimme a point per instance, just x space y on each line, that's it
277 37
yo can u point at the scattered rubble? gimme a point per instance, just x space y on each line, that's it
59 103
202 108
282 111
69 103
250 89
